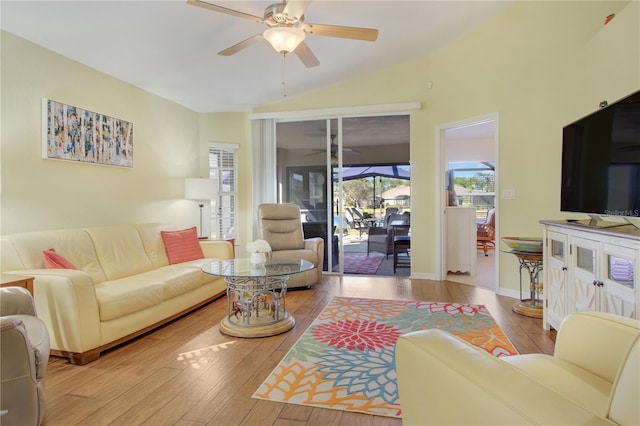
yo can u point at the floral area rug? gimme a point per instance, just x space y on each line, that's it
345 360
360 263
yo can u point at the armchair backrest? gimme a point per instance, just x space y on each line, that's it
609 346
280 225
491 218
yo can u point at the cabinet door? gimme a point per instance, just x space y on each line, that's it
583 291
618 280
555 287
461 239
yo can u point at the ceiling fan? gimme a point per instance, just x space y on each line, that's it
287 29
334 150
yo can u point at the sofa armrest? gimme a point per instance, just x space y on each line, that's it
597 342
66 302
18 358
16 301
217 249
444 380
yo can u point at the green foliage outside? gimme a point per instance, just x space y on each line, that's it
479 182
359 192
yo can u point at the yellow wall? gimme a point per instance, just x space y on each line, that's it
539 65
48 194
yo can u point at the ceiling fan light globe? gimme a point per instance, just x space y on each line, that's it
284 39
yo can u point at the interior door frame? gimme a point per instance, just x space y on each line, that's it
440 240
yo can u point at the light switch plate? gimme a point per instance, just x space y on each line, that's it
508 194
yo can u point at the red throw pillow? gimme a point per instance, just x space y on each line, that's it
182 246
53 260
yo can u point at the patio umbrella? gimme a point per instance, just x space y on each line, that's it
360 172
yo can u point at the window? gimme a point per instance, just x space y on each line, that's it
223 168
472 184
306 187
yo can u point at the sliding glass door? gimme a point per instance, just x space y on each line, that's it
314 160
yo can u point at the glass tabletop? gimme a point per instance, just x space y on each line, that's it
242 268
529 255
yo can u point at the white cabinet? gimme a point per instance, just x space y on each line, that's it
556 249
590 270
461 231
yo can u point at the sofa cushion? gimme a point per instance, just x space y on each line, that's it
182 246
74 244
120 251
53 260
176 279
152 242
9 257
122 297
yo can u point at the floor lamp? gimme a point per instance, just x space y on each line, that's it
200 189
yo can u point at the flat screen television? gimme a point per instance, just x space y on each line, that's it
601 161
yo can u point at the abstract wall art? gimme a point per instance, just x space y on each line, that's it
76 134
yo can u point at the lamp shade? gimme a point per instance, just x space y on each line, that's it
199 189
284 39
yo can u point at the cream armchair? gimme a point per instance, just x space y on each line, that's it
592 378
281 226
23 361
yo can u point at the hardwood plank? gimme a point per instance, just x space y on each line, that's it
188 373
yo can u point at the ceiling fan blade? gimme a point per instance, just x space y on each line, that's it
295 8
232 12
306 55
366 34
242 45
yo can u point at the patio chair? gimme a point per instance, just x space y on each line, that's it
359 222
381 239
486 232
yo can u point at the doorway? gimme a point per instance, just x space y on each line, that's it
469 162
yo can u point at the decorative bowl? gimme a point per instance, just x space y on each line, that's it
524 244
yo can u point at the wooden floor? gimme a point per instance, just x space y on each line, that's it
188 373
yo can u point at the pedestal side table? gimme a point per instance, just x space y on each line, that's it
530 304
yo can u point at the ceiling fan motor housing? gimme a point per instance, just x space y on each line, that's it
274 15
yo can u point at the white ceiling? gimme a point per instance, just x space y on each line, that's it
170 48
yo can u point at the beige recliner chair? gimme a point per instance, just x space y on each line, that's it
592 378
281 226
23 359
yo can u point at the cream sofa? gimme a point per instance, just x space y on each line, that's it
592 378
124 285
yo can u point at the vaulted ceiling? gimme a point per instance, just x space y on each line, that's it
170 48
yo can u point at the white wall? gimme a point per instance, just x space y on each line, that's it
464 150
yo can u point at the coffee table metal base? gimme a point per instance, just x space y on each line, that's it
257 306
284 325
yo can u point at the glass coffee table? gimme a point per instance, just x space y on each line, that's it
257 295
